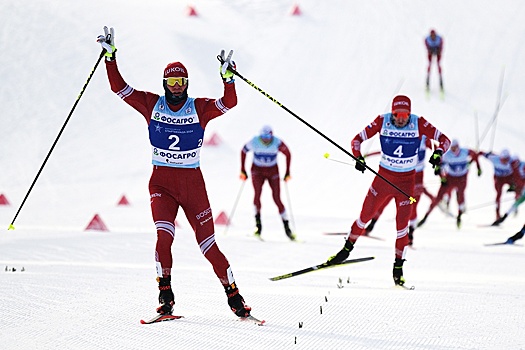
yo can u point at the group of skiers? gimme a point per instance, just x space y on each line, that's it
176 125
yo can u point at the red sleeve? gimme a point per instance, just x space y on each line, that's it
243 160
474 156
208 109
365 134
286 151
426 128
142 101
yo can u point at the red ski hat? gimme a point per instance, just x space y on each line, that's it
175 70
401 103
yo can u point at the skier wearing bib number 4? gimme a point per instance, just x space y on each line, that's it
400 135
176 126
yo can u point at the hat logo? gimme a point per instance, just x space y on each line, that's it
404 103
175 69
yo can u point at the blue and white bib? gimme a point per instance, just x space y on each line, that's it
264 155
176 137
399 146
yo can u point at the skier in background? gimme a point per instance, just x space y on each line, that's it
519 187
434 45
454 175
419 189
176 126
400 135
503 175
264 167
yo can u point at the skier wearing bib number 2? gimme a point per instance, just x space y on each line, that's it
400 136
176 126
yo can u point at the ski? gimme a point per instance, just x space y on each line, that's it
345 233
501 243
498 243
161 318
319 267
489 225
253 319
405 287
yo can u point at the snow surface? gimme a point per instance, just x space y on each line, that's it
337 66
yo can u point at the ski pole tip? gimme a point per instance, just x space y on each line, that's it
11 227
326 155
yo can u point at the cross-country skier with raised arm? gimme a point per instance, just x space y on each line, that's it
176 125
400 134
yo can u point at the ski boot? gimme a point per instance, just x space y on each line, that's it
166 297
236 301
342 255
370 226
458 219
422 221
499 220
517 236
287 230
258 225
399 280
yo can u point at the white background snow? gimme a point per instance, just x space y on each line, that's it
337 66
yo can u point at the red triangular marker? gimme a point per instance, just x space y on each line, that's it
192 12
296 11
3 200
96 224
123 201
222 219
214 140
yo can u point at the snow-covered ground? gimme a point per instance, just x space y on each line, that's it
337 66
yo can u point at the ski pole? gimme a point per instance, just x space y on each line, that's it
11 226
230 68
234 206
499 104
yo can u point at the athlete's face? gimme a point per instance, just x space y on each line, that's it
400 119
266 140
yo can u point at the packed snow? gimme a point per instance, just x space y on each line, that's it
335 64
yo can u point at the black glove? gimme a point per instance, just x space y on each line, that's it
435 158
360 164
444 181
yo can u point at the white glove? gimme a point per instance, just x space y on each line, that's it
107 41
227 66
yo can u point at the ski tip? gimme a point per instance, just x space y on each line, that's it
254 320
161 318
